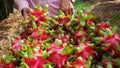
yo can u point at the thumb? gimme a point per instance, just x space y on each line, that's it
25 13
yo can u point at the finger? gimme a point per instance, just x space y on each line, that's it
65 12
71 11
26 15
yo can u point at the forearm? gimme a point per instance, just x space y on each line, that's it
22 4
67 7
69 1
73 1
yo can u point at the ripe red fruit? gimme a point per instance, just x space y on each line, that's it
37 62
10 65
58 60
86 52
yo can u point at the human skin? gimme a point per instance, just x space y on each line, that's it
65 5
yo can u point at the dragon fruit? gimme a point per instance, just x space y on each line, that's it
63 42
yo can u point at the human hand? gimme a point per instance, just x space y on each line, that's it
25 13
67 7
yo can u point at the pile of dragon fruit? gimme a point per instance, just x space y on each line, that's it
63 42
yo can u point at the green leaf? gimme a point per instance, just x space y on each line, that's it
82 22
116 61
23 54
44 54
88 17
46 7
51 32
68 24
73 50
97 39
109 32
72 41
8 58
75 66
34 25
36 48
99 66
68 50
28 39
39 32
54 22
87 64
109 65
45 45
60 30
26 22
38 7
74 21
33 17
47 66
47 40
105 46
58 42
16 60
115 28
117 48
24 65
60 13
102 32
48 18
72 58
54 17
29 52
44 24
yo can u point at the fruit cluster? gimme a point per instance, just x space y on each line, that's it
63 42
